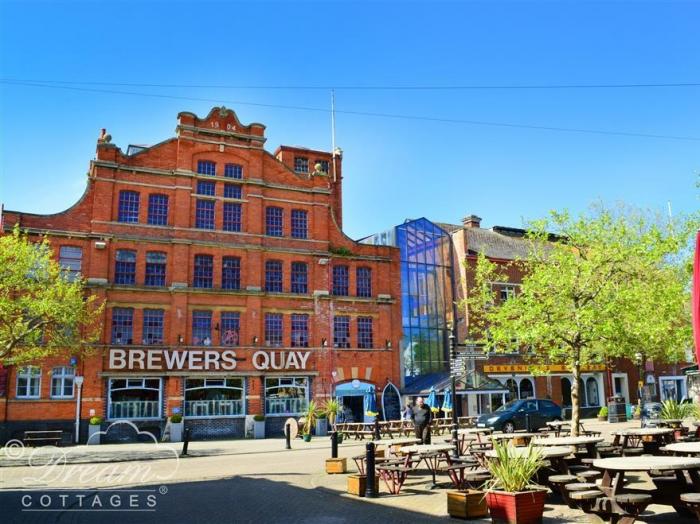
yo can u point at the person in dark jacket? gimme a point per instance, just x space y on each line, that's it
421 416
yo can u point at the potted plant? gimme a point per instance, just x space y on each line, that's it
675 412
321 425
603 414
310 416
510 494
177 427
94 429
331 408
258 426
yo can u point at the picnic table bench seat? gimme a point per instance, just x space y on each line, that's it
393 476
692 502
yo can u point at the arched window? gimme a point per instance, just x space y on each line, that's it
527 388
592 392
565 391
214 397
512 387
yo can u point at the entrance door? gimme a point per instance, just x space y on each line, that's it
621 386
565 391
353 409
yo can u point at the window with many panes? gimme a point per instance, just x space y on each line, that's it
158 210
273 329
203 271
201 328
204 187
230 328
273 221
232 191
233 171
231 273
128 206
155 268
153 326
204 214
122 325
62 382
324 165
364 333
341 331
299 277
340 281
273 276
206 167
300 331
301 164
125 267
507 292
232 216
364 281
299 223
28 382
70 258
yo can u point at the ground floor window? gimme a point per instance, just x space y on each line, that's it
28 382
62 382
518 388
286 395
214 397
672 388
134 398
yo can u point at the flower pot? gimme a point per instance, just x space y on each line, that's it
336 465
258 429
307 437
176 431
94 434
525 507
602 419
467 504
357 484
321 427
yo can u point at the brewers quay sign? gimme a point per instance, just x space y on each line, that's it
201 360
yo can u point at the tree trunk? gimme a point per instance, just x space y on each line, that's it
575 409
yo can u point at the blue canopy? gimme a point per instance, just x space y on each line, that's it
371 403
447 401
432 400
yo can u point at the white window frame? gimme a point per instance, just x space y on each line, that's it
214 386
307 391
128 386
625 394
674 378
26 372
59 374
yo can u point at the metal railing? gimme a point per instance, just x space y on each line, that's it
134 409
283 406
213 408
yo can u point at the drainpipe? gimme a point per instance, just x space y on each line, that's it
78 381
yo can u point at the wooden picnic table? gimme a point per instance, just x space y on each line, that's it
684 448
555 454
524 437
651 438
615 469
588 442
430 454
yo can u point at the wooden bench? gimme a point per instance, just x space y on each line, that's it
559 482
52 437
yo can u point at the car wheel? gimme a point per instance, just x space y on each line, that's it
508 427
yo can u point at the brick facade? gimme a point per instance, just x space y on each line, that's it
216 149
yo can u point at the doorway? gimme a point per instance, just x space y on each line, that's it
565 391
353 408
621 387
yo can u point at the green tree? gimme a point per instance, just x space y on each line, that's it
602 285
42 312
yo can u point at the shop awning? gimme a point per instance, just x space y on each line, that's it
472 383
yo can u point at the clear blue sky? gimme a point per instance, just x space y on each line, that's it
393 168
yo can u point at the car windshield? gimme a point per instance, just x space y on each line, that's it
507 407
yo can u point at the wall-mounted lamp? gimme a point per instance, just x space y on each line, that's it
100 244
255 340
180 339
324 343
387 343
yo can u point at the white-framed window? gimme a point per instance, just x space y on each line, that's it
592 395
214 397
62 382
673 388
71 260
134 398
28 382
286 395
507 292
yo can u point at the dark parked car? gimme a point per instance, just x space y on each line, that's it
515 415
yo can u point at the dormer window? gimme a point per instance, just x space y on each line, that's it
301 164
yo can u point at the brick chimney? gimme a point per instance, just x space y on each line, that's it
471 221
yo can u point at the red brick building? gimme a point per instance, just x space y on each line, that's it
230 288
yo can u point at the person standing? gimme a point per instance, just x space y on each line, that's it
421 416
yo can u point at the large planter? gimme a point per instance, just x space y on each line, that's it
258 429
94 434
357 485
307 437
525 507
467 504
321 427
176 431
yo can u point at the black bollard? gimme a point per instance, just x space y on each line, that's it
185 442
334 444
370 492
527 422
377 436
288 436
